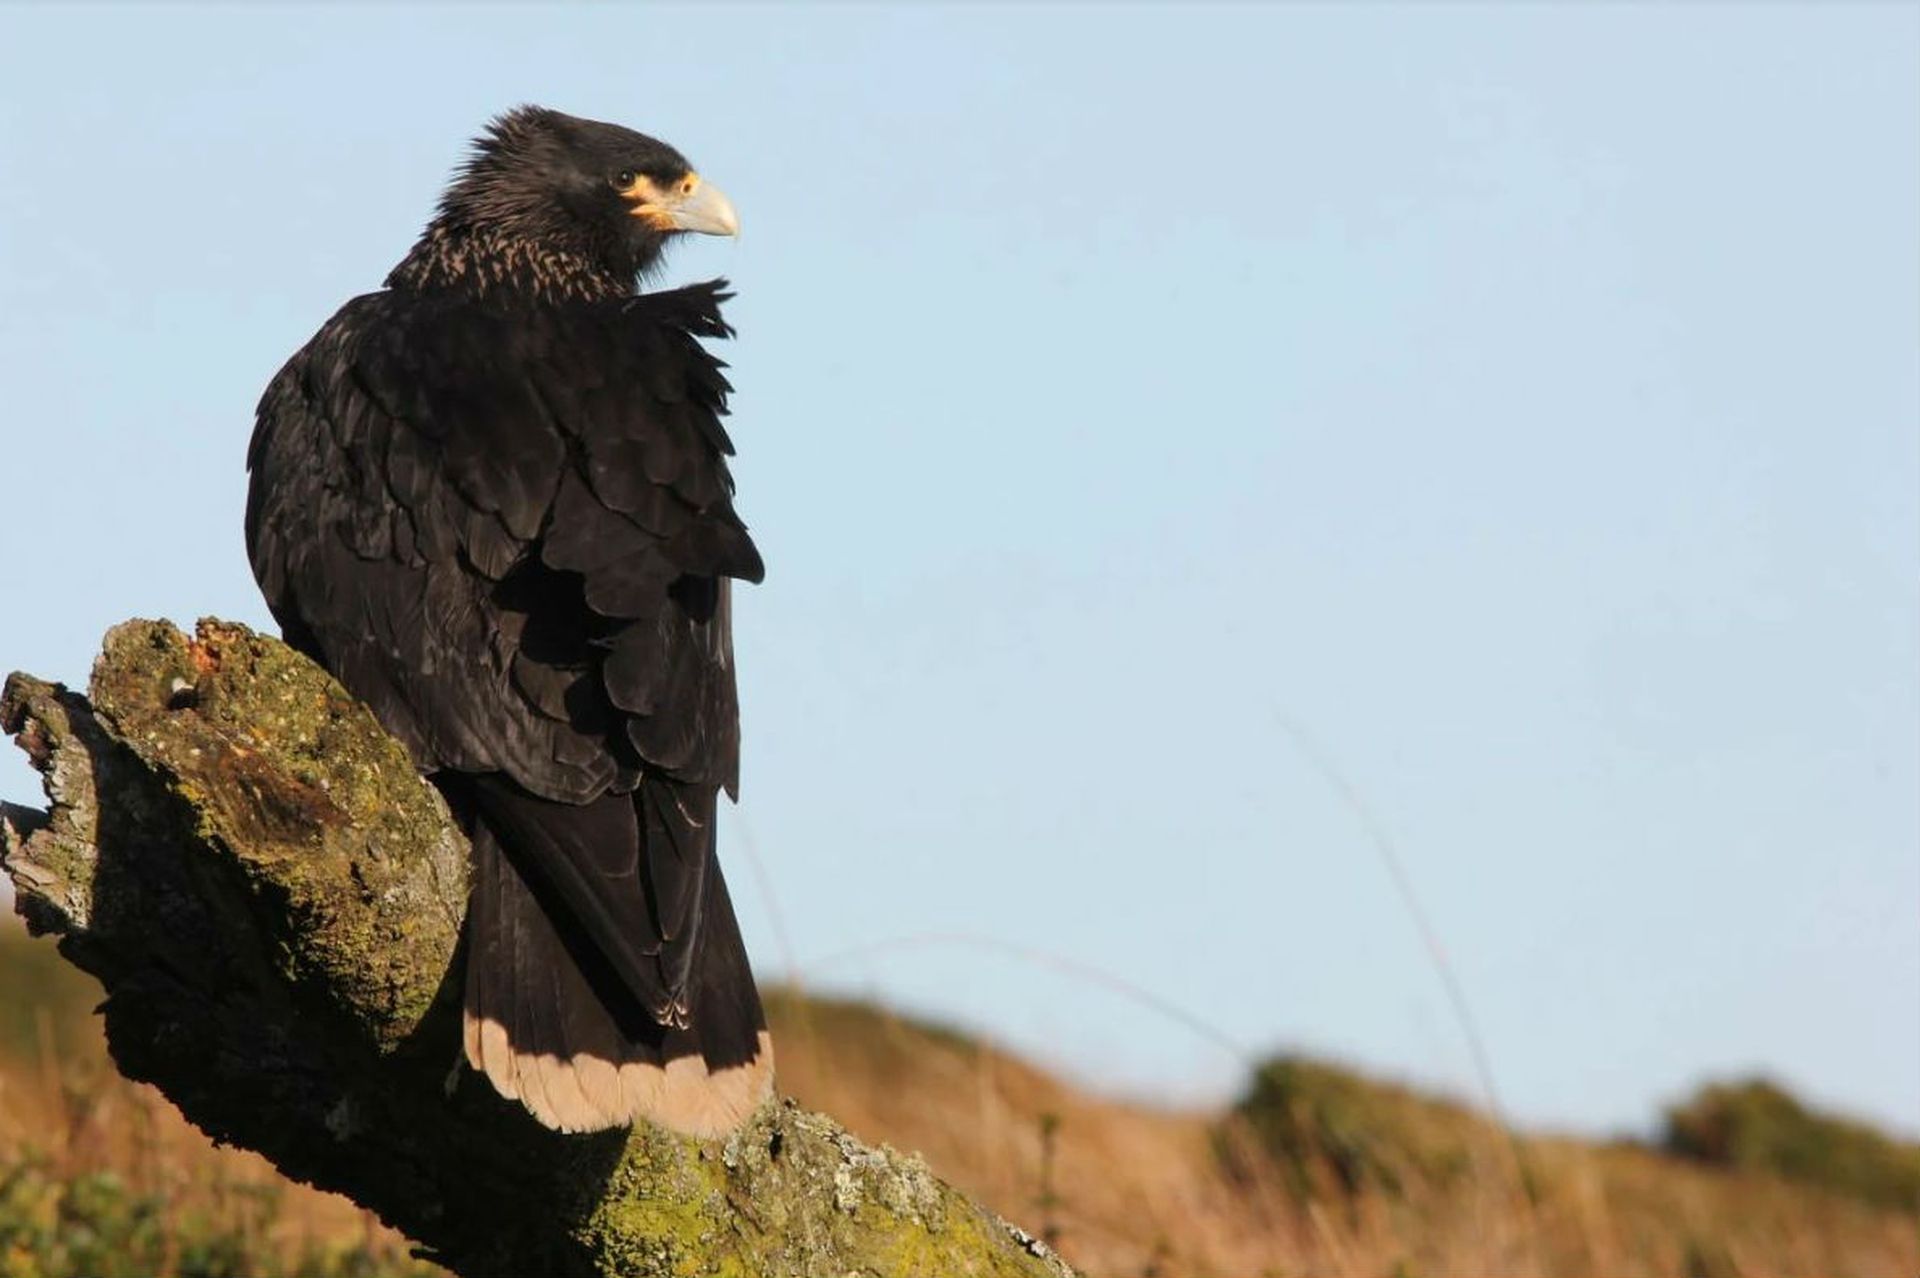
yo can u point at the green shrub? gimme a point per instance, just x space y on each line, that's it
1329 1130
92 1225
1756 1125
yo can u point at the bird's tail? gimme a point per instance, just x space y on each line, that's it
550 1022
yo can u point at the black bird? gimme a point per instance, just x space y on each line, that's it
492 499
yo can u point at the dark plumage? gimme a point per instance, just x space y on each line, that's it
492 499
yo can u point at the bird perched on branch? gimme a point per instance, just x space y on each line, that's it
492 499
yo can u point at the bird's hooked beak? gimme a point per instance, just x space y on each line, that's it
691 204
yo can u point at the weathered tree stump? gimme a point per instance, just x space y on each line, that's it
272 898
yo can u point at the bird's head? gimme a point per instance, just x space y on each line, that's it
543 187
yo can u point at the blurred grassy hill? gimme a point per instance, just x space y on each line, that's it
1316 1170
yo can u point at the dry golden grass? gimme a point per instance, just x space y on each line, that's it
1123 1189
1135 1191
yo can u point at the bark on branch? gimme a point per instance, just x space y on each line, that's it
272 898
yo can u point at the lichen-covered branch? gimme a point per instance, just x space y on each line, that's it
272 898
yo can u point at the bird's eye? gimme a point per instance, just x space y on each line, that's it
625 178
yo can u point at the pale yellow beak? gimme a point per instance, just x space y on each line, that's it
691 204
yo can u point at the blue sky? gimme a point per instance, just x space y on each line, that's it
1522 400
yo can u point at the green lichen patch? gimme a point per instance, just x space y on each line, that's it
318 809
793 1194
665 1210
